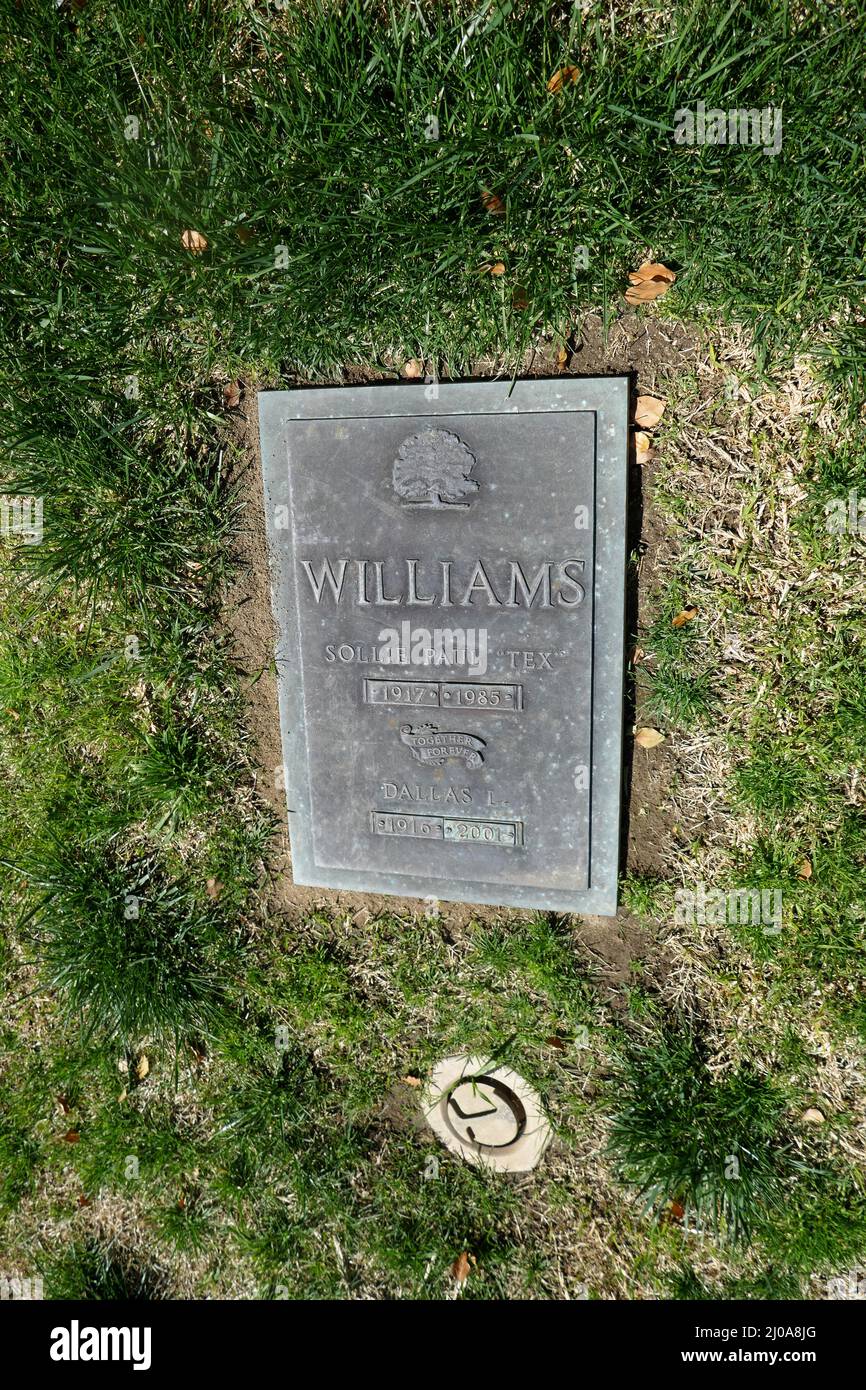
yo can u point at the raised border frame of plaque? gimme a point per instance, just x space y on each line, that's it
605 400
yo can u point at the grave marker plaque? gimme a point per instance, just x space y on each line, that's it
448 567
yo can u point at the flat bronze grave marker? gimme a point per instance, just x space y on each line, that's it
448 568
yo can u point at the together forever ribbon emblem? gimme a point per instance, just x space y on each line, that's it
430 745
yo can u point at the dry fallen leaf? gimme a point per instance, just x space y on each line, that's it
63 1105
142 1067
497 268
685 616
492 203
648 282
562 359
413 368
519 297
649 738
555 1042
83 1201
562 77
652 270
636 655
643 450
193 241
645 293
648 412
812 1116
805 869
213 888
71 1136
462 1267
411 1080
231 395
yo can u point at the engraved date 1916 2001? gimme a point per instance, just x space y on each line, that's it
508 833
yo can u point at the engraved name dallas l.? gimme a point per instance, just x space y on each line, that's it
446 583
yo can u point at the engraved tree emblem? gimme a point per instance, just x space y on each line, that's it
432 470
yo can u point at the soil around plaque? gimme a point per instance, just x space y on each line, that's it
654 831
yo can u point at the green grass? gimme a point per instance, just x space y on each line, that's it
646 895
295 141
772 1285
679 694
821 946
306 128
94 1271
178 772
129 952
713 1146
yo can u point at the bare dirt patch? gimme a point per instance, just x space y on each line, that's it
652 351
